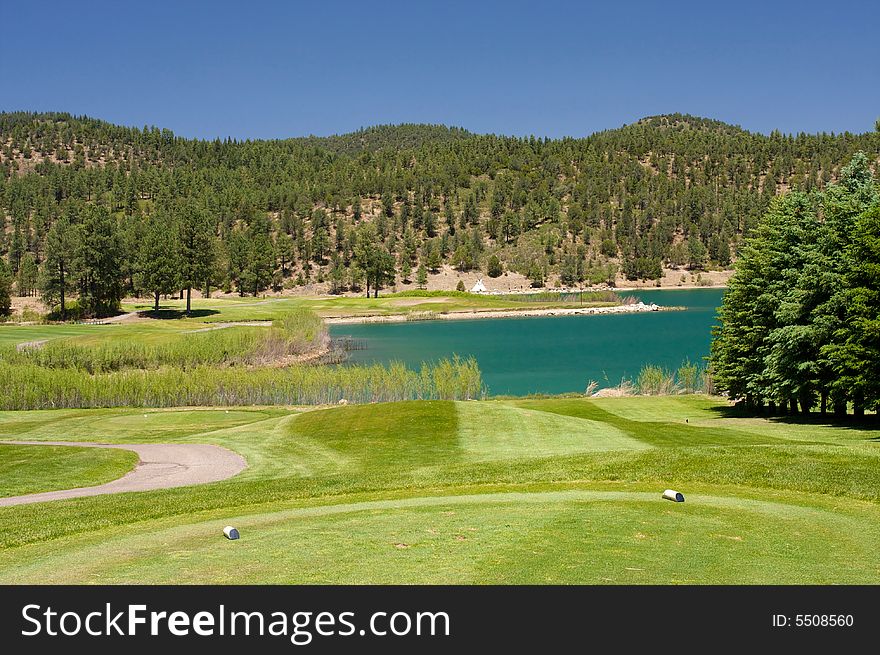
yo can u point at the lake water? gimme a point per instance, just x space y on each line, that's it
519 356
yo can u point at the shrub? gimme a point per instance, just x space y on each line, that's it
493 268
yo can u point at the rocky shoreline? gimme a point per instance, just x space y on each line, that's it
633 308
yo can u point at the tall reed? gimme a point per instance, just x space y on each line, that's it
28 386
687 379
295 333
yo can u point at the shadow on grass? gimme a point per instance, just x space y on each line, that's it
869 422
167 314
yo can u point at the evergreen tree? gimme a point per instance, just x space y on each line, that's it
57 277
26 280
160 257
843 205
405 269
260 264
5 289
422 276
196 240
696 253
855 352
799 320
97 263
376 262
493 268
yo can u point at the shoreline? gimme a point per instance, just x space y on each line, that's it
683 287
635 308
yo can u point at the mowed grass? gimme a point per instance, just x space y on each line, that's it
256 309
32 469
520 491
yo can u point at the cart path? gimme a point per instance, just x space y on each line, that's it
161 466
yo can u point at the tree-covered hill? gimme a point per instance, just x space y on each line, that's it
394 202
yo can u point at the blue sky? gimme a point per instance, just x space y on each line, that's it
261 69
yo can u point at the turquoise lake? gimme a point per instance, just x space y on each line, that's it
519 356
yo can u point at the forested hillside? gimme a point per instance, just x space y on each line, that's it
100 211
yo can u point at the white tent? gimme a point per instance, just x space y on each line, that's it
479 287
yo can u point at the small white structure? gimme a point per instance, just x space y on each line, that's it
674 496
230 532
479 287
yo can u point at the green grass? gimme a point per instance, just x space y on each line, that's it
155 344
173 324
11 334
32 469
256 309
520 491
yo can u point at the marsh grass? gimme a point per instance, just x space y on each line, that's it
28 386
296 332
658 381
219 367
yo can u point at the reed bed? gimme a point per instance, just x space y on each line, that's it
297 332
687 379
28 386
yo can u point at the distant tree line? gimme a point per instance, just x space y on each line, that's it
365 210
800 323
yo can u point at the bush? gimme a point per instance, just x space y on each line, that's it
494 268
460 286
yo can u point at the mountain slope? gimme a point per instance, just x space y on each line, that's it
666 191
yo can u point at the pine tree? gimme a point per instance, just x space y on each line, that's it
422 276
160 257
260 263
493 268
405 269
376 262
799 320
57 277
5 289
196 240
98 263
26 280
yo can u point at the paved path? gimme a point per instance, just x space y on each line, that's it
161 466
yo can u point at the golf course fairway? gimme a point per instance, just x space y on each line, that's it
529 491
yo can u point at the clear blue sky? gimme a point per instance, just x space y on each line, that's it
263 69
